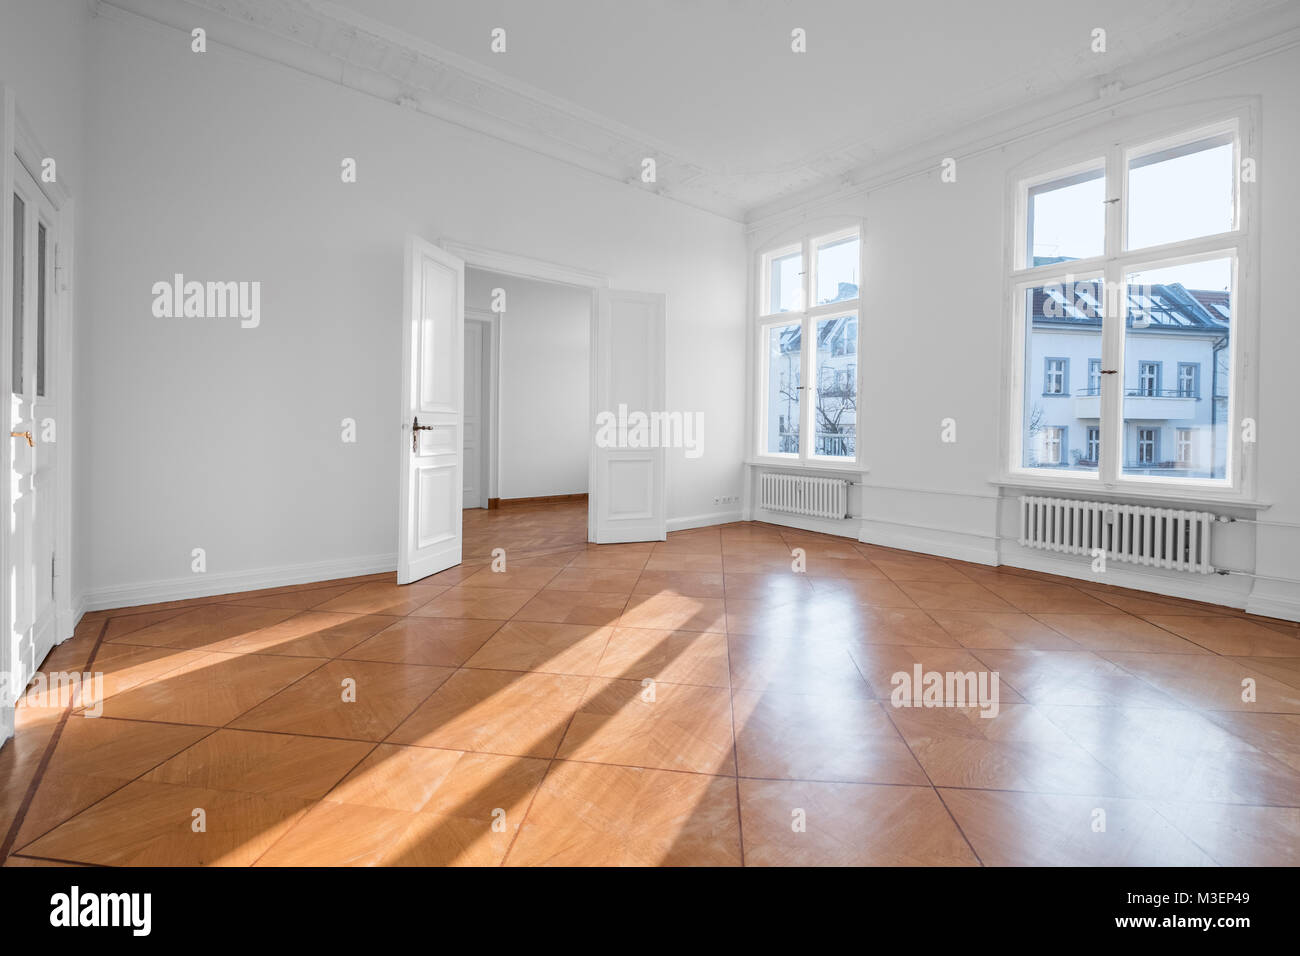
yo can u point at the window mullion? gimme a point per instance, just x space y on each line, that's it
806 419
1114 312
808 422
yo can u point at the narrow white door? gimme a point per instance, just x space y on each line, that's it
433 398
30 575
628 501
475 473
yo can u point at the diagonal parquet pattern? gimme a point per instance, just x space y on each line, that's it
693 701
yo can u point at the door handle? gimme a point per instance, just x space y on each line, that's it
27 435
416 428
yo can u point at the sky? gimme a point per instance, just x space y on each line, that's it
1176 199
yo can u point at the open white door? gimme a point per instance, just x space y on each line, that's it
628 501
433 402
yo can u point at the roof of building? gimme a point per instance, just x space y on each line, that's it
1162 306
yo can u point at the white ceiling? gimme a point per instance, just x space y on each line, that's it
711 88
715 81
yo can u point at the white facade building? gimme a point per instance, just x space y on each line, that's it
1177 353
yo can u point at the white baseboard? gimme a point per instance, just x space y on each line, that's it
1206 588
703 521
1273 607
69 618
844 527
232 582
958 545
1274 599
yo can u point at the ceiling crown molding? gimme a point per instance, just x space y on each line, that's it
334 44
325 40
1271 33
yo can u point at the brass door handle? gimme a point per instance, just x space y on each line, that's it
27 435
416 428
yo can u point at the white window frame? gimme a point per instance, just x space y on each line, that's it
1184 445
1148 379
1153 442
1115 145
807 318
1054 378
1054 436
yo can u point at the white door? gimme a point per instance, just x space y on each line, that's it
628 501
30 575
475 494
433 398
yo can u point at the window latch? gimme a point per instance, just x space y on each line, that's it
1107 202
1110 371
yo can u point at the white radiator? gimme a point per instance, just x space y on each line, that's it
802 495
1159 537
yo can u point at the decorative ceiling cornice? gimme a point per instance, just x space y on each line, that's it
334 44
321 38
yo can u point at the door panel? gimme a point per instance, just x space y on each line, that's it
432 452
629 500
32 459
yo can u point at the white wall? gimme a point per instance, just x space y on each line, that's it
932 340
545 384
226 167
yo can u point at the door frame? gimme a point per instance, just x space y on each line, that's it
20 144
526 267
491 407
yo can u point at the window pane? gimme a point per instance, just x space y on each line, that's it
1181 193
42 280
20 272
1177 371
836 412
784 351
1067 218
786 283
837 270
1062 376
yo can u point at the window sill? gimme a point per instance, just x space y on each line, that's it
1142 494
799 464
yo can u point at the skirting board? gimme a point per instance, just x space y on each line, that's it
1192 587
958 545
538 500
1274 599
1273 607
234 582
703 521
843 528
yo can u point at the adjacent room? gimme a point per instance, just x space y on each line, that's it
527 398
650 434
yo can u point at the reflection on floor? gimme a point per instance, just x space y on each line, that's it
688 702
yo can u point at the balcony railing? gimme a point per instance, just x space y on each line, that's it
1140 392
835 445
828 444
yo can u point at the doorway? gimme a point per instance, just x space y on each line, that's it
625 485
480 406
33 545
533 383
